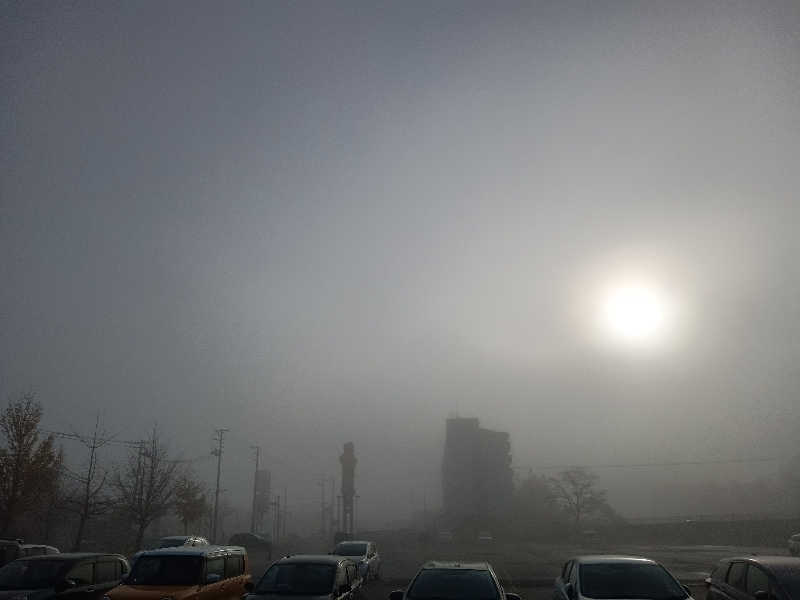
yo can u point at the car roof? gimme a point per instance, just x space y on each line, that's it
72 556
192 551
456 564
320 559
596 559
355 542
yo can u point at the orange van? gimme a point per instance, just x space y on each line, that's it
186 573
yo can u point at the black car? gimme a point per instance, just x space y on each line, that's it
755 578
309 577
68 576
255 544
450 580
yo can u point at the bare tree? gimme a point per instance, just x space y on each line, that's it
190 501
88 500
28 467
576 491
145 485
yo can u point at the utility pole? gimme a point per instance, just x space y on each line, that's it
321 484
255 491
218 453
285 511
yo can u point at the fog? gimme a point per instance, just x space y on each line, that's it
314 223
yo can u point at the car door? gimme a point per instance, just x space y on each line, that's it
235 577
81 579
734 587
342 588
214 587
760 585
107 575
560 592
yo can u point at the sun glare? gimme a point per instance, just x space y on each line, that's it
636 314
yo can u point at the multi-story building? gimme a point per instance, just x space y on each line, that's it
477 481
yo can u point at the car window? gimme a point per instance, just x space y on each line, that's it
629 580
297 579
234 566
453 584
82 573
352 575
215 566
30 574
736 575
166 570
757 580
350 549
341 577
719 572
106 571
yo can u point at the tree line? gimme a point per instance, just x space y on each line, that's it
40 494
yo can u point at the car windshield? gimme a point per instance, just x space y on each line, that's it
306 579
170 542
351 549
790 582
629 580
31 574
166 570
453 584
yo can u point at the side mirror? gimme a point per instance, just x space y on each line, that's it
213 578
510 596
397 595
249 586
569 590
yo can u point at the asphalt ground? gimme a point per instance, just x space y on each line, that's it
379 590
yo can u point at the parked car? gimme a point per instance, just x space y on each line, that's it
38 549
9 550
794 545
254 543
755 578
172 541
604 577
183 572
71 575
306 576
364 554
437 580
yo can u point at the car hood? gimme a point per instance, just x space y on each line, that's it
286 597
146 592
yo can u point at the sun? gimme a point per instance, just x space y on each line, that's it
636 314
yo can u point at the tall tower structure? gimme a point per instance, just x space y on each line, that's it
348 461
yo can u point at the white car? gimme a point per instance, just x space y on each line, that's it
617 577
794 545
364 554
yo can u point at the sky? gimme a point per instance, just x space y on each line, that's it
320 222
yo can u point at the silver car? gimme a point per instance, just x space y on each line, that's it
617 578
364 554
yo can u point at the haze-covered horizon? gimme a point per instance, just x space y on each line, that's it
331 222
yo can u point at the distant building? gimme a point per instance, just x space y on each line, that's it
476 472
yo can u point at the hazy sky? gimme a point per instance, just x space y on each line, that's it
315 222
